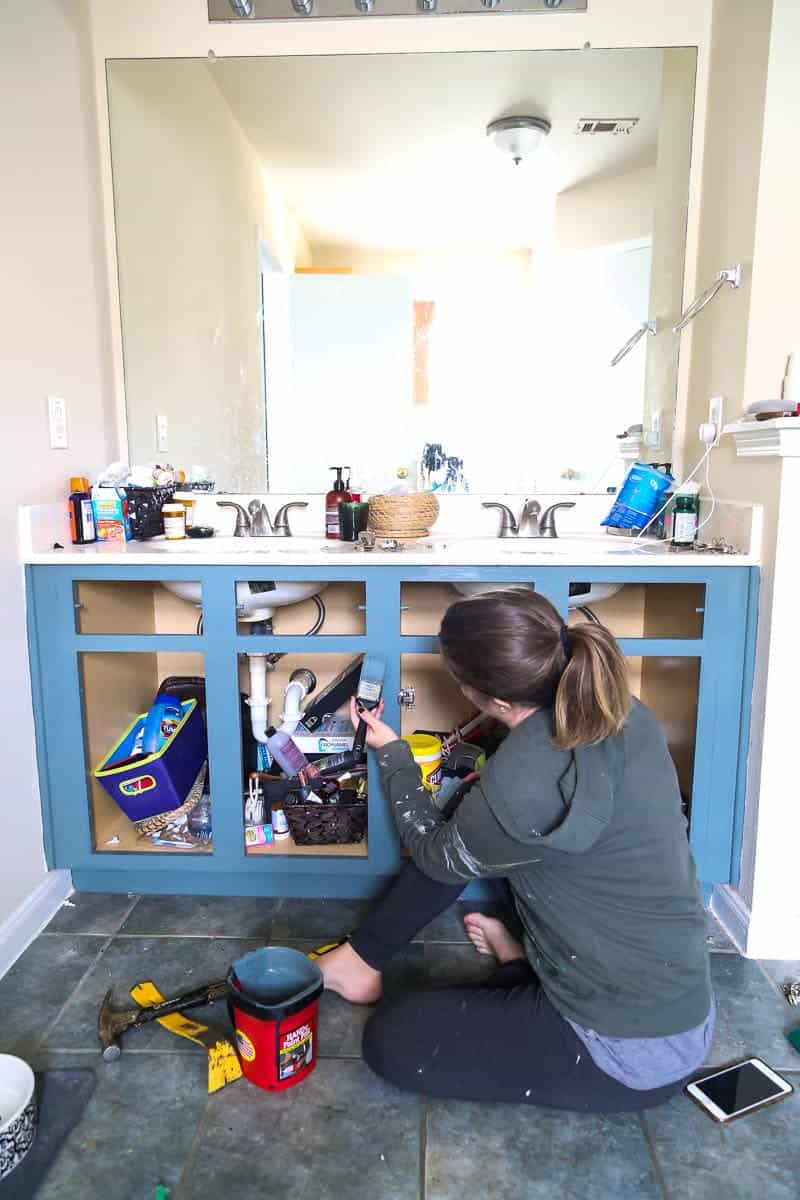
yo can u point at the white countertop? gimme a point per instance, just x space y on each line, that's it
438 550
463 536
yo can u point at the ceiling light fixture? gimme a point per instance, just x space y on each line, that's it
552 3
364 6
242 8
427 5
518 136
303 8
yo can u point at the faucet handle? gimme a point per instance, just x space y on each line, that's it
242 519
508 523
281 524
547 526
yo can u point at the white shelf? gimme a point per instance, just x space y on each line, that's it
777 438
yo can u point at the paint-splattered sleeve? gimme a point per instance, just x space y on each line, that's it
470 845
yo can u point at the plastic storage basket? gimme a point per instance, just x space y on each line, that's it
144 509
327 824
160 782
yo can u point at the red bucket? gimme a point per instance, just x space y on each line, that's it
273 996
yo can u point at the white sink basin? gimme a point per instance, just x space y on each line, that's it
597 591
252 606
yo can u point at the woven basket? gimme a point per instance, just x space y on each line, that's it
403 516
161 820
327 824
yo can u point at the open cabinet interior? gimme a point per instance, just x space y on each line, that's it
113 606
314 828
669 686
635 610
117 688
143 606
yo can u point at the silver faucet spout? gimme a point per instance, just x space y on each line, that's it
260 524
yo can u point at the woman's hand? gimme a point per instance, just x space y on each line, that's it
378 733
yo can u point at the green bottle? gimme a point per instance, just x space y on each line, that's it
685 515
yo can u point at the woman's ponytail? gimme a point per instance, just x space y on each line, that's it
513 645
593 698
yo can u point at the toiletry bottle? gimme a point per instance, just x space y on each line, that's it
174 517
288 755
355 488
334 497
81 514
280 826
686 511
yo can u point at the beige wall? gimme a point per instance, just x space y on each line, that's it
773 331
751 194
192 202
670 219
719 336
606 211
55 340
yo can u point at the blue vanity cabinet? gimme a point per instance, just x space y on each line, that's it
699 626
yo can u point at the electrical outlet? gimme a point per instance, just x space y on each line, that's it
57 417
162 433
652 437
715 406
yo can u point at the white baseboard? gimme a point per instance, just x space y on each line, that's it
27 922
732 913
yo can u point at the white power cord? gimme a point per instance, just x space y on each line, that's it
683 482
710 490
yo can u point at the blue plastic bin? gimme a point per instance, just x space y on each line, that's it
156 783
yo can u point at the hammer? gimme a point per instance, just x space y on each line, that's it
113 1022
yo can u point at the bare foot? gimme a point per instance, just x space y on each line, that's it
346 973
490 936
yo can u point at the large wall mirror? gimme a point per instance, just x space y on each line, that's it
326 260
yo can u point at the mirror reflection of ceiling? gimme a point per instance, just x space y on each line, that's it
390 151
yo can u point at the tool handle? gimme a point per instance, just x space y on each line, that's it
360 739
208 994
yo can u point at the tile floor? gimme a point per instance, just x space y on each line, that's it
344 1134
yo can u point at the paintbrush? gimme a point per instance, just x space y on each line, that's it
368 695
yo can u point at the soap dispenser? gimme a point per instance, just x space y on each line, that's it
334 498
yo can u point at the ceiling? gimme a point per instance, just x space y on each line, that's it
389 151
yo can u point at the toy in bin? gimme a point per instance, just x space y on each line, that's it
152 767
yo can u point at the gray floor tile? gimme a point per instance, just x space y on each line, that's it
751 1016
175 965
716 937
137 1131
92 912
319 920
341 1133
752 1157
516 1153
451 966
203 916
782 971
39 984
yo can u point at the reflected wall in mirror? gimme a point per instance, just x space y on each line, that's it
326 260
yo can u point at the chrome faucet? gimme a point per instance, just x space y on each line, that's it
255 521
529 524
